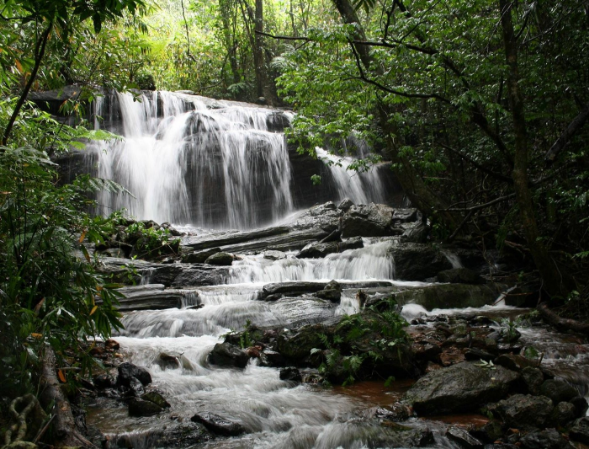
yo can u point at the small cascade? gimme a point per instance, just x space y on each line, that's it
360 187
370 262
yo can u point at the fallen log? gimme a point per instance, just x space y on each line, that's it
562 324
65 431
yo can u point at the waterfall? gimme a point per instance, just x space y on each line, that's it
221 164
360 187
199 166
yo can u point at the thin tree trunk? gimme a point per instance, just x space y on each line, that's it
39 54
553 282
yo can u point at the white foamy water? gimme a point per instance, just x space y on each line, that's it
361 188
204 167
370 262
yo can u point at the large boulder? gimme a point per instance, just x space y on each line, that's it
296 345
373 220
228 355
523 411
417 262
461 387
558 390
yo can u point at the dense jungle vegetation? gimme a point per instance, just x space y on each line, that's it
480 107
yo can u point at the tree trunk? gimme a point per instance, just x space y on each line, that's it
265 83
225 7
553 282
64 427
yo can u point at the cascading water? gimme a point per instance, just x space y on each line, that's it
211 165
360 187
204 167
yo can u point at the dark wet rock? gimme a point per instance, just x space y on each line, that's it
135 388
460 276
269 357
580 430
149 297
446 296
532 379
514 362
156 398
169 360
296 345
274 255
199 256
291 288
416 262
563 413
403 436
221 259
478 354
201 243
558 390
405 215
345 204
127 371
292 374
463 438
544 439
104 381
373 220
141 407
443 391
320 250
332 292
523 411
228 355
218 424
416 234
490 431
182 435
335 236
580 404
198 275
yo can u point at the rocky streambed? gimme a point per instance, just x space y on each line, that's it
244 339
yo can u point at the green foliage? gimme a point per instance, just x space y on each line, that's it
49 292
360 341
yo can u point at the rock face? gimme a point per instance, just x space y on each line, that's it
415 262
460 276
460 387
219 425
374 220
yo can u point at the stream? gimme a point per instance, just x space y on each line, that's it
211 166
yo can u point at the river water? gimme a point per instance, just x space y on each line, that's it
222 167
